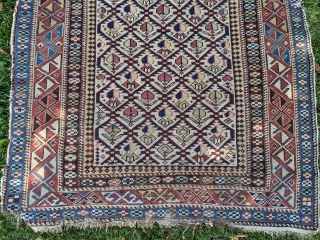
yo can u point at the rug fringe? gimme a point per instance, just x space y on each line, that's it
168 223
84 223
3 183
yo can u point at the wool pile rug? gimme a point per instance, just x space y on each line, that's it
171 111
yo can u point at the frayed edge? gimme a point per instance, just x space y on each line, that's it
168 223
3 184
84 223
276 231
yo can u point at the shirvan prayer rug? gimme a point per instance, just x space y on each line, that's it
172 111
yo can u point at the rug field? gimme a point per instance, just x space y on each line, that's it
174 111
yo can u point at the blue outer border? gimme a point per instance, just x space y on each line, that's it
308 123
21 46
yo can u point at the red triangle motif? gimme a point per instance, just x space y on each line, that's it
56 7
52 67
275 68
40 152
37 191
278 20
42 116
283 84
45 52
43 83
50 134
50 100
285 120
47 22
286 155
47 173
287 192
278 137
278 102
281 51
270 6
273 35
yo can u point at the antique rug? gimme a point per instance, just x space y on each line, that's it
172 111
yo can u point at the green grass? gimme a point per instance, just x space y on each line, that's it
8 225
5 64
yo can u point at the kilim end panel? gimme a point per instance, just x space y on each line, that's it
169 111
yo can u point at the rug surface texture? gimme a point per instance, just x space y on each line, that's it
175 111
